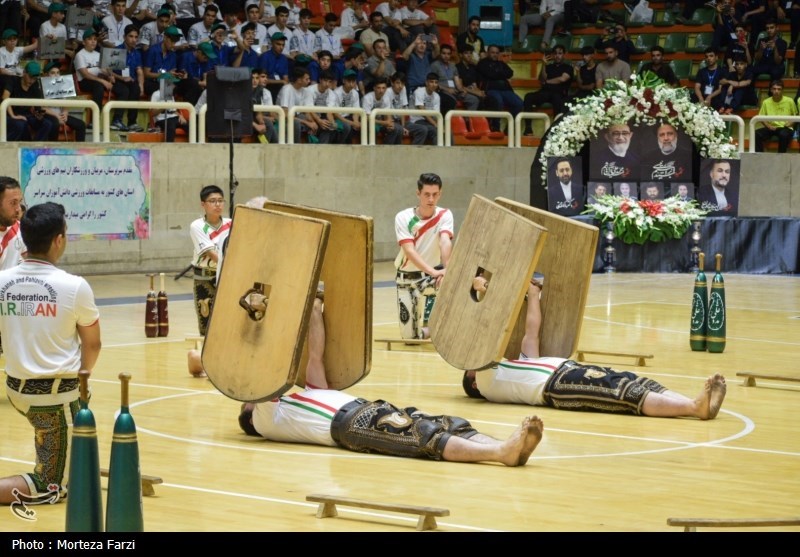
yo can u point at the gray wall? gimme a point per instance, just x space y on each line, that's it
376 181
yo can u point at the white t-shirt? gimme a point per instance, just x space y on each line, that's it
47 29
205 238
303 42
116 29
11 247
517 381
397 100
339 97
87 60
424 234
328 41
422 100
9 61
40 307
288 96
369 102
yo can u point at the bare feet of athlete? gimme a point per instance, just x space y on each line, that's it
532 438
195 364
516 450
709 401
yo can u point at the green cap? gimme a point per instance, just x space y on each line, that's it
8 33
51 65
350 73
169 77
90 32
163 12
208 50
173 32
53 8
33 69
278 37
218 25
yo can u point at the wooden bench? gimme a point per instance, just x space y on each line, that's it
327 508
751 376
640 358
691 524
409 341
147 482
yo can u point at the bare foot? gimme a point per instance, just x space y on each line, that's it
195 364
533 435
709 401
511 450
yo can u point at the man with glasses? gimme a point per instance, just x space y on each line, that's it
207 233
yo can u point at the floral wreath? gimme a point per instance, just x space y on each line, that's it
647 100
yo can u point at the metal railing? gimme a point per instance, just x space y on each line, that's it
373 133
756 119
740 125
54 103
448 122
324 110
201 121
529 116
147 105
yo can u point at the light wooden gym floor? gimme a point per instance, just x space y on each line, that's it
592 472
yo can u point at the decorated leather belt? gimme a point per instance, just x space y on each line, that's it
338 418
414 275
42 386
204 273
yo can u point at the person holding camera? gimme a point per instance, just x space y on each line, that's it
752 13
617 36
725 23
770 53
738 49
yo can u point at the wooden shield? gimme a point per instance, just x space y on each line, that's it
347 277
472 334
253 360
566 264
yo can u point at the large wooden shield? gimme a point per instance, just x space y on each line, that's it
473 334
252 359
347 277
566 264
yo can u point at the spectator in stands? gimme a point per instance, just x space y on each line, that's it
658 66
303 38
617 36
128 82
611 68
468 72
471 39
738 88
54 28
116 23
263 122
793 14
60 116
373 33
276 64
355 60
346 95
294 7
293 94
21 120
556 78
379 65
220 40
586 75
419 58
152 33
243 55
323 62
260 33
423 129
353 20
320 95
776 105
201 30
725 24
160 58
167 120
281 24
377 98
392 12
194 67
738 49
143 11
11 15
451 88
328 40
230 13
92 79
770 52
495 74
752 13
11 54
551 13
418 22
397 97
707 88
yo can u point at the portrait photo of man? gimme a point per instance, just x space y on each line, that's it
667 153
653 191
565 191
597 189
614 155
684 191
718 191
626 189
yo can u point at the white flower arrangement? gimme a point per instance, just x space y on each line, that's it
637 222
646 101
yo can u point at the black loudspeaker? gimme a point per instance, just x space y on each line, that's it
230 101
